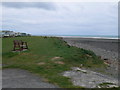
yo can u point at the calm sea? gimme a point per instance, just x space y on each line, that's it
90 36
86 36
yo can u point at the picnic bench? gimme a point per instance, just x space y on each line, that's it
19 45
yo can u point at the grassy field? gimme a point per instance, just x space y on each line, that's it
48 57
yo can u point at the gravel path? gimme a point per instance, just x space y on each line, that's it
17 78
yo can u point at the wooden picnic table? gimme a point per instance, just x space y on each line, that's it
19 45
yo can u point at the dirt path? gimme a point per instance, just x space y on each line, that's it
17 78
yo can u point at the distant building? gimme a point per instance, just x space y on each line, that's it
7 33
23 34
1 33
28 34
17 34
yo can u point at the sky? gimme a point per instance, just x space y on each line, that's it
63 18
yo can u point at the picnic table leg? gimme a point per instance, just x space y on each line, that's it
21 46
26 45
14 47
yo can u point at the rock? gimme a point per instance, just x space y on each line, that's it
79 69
88 55
111 86
89 79
59 62
56 58
105 59
41 63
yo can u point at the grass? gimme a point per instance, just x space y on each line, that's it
44 49
106 83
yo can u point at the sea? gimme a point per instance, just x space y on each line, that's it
86 36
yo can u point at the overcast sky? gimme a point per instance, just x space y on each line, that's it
54 18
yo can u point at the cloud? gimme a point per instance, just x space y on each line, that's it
18 5
66 18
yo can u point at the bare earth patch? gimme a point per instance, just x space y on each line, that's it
41 63
59 62
88 55
56 58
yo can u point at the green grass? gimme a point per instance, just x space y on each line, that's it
44 49
106 83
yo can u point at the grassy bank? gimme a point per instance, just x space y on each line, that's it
48 57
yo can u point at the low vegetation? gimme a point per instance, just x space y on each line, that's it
48 57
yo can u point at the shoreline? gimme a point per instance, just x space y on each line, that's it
106 44
92 37
89 37
107 49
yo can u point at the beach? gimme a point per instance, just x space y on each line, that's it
96 45
107 49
